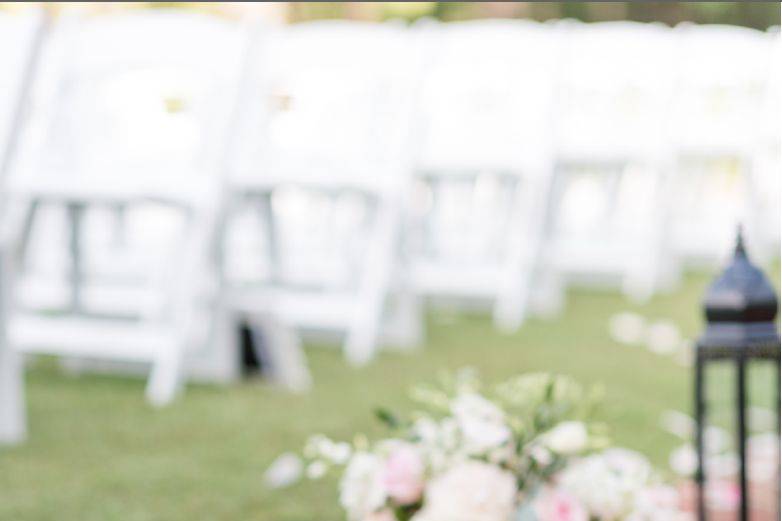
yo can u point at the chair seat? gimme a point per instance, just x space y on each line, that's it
127 184
127 299
441 279
298 308
88 337
597 254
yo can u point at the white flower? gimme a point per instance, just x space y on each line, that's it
439 441
763 452
722 465
608 484
427 430
683 460
470 491
284 471
337 453
317 469
663 337
715 439
567 438
320 446
627 328
541 455
481 423
361 489
678 424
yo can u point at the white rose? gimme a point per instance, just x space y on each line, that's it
567 438
608 483
684 460
361 489
470 491
593 484
482 424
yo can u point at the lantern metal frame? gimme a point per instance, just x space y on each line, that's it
741 308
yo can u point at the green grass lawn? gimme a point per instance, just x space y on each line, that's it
98 452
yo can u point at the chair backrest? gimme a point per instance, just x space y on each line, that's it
144 92
329 105
484 101
18 38
134 109
772 127
322 140
722 72
615 87
483 128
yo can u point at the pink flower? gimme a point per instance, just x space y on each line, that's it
403 475
556 505
723 495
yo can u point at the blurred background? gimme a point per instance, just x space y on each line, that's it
225 226
758 15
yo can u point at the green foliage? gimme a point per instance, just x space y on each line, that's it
759 15
388 418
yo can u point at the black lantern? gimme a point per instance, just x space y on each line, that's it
741 307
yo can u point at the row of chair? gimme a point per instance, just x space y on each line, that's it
168 175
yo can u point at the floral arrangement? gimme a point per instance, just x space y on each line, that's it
522 450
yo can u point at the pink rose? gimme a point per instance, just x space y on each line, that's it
556 505
403 475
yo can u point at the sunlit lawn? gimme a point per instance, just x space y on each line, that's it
98 452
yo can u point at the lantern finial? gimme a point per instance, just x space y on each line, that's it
741 295
740 249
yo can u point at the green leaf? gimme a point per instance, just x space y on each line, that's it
387 417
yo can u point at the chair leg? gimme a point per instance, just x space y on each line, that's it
283 355
165 379
362 338
653 272
13 428
13 411
218 359
364 331
363 334
405 326
638 285
547 298
510 310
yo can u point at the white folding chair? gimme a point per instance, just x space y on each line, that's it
20 38
766 178
311 235
121 180
483 165
715 129
614 90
